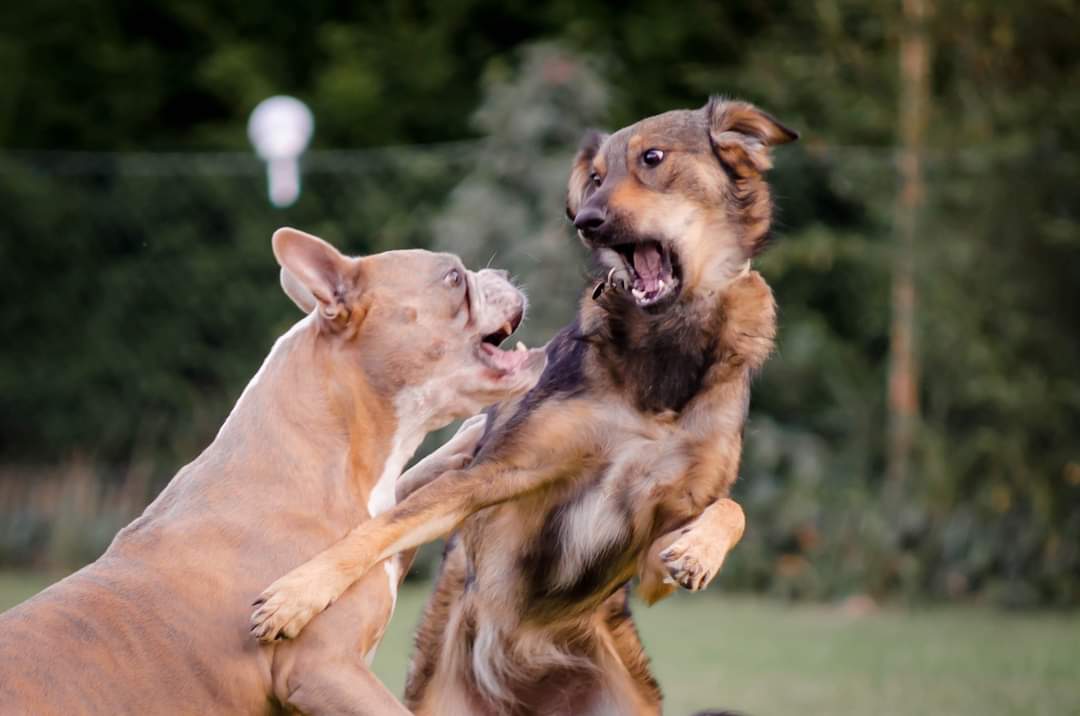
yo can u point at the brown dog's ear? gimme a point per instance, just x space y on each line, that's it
581 169
741 135
314 273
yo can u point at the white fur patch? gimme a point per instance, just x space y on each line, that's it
590 526
486 654
413 410
393 576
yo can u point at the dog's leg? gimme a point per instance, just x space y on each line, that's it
431 632
626 642
455 454
541 449
291 602
692 555
326 670
356 692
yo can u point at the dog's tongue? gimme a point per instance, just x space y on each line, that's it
648 264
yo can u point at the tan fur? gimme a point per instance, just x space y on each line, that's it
159 623
589 460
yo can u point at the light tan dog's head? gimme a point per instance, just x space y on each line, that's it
416 323
677 203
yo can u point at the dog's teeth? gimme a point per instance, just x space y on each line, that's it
638 293
520 347
661 285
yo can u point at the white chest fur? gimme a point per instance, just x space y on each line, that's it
413 410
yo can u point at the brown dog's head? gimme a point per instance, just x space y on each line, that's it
417 324
677 203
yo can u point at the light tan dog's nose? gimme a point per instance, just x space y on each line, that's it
503 304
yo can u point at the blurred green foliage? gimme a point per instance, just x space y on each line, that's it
138 293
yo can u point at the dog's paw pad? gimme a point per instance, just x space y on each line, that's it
685 568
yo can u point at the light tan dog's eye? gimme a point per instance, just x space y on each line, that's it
452 278
595 179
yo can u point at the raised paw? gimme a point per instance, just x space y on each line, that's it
287 605
693 562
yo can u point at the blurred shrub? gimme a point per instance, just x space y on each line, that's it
138 292
65 517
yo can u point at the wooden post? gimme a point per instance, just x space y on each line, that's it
903 390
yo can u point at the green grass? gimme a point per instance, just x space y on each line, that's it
761 657
17 586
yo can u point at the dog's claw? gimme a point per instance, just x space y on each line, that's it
690 566
288 605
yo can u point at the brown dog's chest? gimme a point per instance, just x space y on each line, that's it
565 550
576 543
589 540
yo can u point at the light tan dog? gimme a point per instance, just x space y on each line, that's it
394 345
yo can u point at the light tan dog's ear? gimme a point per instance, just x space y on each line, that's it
741 135
581 171
298 292
314 273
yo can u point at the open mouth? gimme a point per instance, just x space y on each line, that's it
504 360
653 270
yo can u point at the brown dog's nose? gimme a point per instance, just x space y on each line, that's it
589 219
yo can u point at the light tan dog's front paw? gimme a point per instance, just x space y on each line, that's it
287 605
692 562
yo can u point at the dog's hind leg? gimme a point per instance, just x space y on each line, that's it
431 633
626 641
351 692
326 670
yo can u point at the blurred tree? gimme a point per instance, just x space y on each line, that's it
903 366
137 292
510 209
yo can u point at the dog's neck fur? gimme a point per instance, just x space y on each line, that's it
310 410
660 358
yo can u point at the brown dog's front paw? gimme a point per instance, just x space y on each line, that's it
692 563
287 605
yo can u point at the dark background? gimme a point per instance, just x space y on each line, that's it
138 292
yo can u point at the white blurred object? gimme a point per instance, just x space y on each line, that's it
280 127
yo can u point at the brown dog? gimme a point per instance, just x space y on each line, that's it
621 458
395 345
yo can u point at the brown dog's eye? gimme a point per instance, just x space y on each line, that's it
595 179
452 278
652 157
